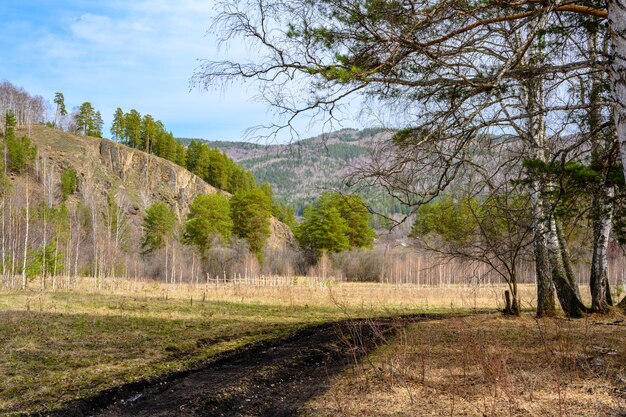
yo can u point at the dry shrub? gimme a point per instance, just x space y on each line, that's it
364 266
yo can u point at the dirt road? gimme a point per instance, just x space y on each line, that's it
274 378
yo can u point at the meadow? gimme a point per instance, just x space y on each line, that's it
69 343
488 365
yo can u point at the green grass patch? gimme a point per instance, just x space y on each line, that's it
60 346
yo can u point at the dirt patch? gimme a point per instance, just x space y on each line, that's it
273 378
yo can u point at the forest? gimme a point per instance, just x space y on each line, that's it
508 107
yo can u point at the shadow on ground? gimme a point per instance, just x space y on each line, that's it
274 378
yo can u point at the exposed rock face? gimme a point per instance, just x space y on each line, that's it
281 236
134 178
155 178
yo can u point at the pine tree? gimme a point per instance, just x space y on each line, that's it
148 132
96 128
322 229
193 151
85 118
209 215
132 128
251 211
68 182
9 134
59 100
353 210
335 223
21 152
118 126
158 227
181 154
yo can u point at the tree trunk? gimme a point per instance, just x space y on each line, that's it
534 103
558 256
567 260
516 300
602 159
25 242
545 289
4 258
602 213
511 298
551 256
617 72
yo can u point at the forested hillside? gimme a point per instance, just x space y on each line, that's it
74 204
301 171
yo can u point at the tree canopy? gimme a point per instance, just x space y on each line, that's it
158 226
335 223
209 215
251 210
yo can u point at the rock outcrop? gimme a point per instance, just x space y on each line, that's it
134 178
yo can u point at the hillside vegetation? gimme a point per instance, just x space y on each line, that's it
74 206
301 171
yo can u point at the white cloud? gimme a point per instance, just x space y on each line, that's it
141 54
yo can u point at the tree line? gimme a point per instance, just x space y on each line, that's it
211 222
499 102
49 232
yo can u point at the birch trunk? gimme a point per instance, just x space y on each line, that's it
603 193
545 289
567 294
617 74
534 102
25 242
602 219
617 71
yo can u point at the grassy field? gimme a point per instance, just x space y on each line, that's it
60 345
56 346
488 365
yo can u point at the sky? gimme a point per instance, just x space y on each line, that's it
130 54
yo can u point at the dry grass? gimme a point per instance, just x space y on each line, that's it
488 365
305 291
56 346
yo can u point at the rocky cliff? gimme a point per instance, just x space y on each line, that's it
134 178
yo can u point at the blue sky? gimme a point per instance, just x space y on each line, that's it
129 54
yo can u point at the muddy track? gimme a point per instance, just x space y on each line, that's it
274 378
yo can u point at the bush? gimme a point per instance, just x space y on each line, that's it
21 153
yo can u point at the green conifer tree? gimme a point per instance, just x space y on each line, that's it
132 128
251 211
118 126
59 100
158 227
209 215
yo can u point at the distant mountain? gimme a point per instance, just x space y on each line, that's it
301 171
